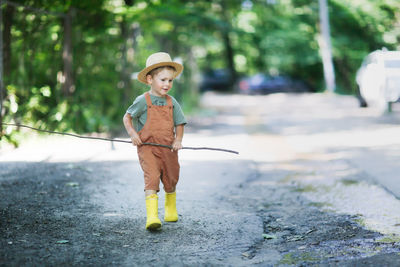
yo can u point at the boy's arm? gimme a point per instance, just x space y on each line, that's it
136 141
177 144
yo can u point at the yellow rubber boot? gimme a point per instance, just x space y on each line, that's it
152 221
171 215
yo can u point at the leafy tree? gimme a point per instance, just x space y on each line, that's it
62 72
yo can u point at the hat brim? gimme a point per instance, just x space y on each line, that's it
142 75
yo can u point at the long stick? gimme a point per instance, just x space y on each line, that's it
119 140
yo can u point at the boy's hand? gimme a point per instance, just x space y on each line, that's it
135 138
136 141
176 145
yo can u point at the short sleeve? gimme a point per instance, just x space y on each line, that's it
179 117
138 107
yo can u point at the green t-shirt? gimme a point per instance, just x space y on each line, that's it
138 110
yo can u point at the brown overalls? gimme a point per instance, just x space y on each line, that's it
158 162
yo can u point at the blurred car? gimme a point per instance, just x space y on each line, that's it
265 84
216 80
378 78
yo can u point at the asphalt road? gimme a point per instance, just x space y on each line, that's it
283 201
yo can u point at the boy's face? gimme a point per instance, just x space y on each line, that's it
161 82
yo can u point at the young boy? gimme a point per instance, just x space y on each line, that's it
156 117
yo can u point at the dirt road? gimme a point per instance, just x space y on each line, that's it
298 194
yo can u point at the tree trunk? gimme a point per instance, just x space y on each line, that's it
229 57
68 85
191 69
1 70
129 33
260 63
7 22
5 55
229 53
326 47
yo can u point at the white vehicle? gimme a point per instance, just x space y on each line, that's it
379 78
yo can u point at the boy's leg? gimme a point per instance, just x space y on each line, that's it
149 192
170 170
152 171
152 220
170 179
171 214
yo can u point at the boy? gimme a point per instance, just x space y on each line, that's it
156 117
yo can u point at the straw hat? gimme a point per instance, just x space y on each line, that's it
156 60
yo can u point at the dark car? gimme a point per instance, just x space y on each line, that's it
216 80
266 84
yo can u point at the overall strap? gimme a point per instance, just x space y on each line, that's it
148 99
169 101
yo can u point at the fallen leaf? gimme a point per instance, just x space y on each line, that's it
267 236
310 231
295 238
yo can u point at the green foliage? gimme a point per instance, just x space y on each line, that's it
359 27
112 39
